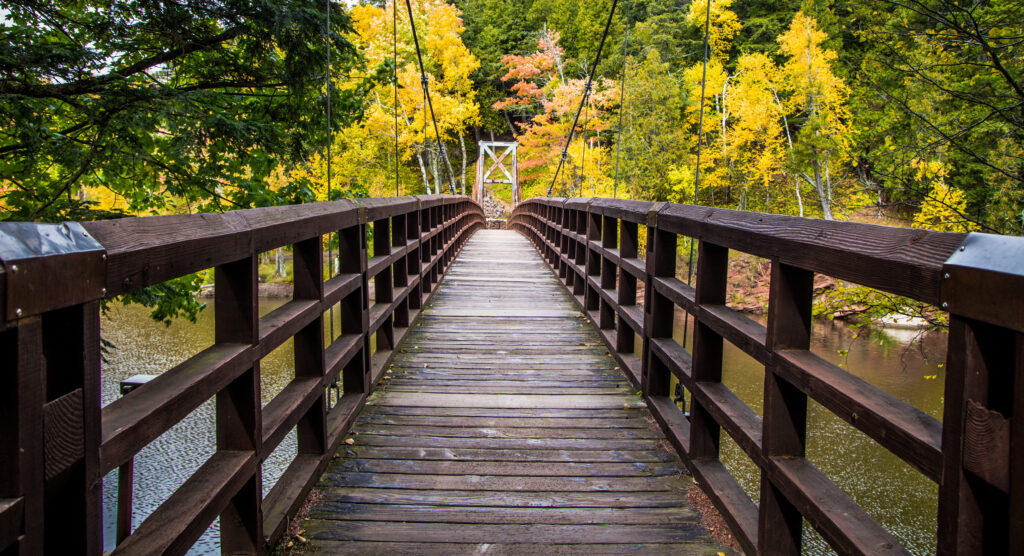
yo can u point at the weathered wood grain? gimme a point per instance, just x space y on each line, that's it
503 420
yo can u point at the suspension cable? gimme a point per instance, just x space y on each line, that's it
394 33
586 93
426 92
700 140
703 85
583 140
622 105
330 236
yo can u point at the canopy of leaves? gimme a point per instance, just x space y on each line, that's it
192 100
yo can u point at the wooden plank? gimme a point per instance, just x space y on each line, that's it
509 413
903 429
843 524
347 495
730 499
286 408
898 260
503 409
131 422
486 533
474 514
283 500
481 483
284 322
12 514
513 432
404 399
514 549
507 468
174 526
508 443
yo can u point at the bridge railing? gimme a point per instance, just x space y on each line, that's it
975 455
57 442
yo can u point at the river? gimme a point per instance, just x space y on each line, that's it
892 492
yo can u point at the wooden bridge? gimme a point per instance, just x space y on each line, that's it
479 408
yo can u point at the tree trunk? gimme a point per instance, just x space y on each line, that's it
462 143
817 182
435 171
279 268
799 199
423 171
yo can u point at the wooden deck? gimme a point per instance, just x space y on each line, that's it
504 427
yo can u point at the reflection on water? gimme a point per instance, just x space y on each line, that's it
905 364
147 347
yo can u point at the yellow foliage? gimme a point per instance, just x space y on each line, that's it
758 135
724 25
944 208
816 90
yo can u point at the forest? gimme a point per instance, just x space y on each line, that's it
902 112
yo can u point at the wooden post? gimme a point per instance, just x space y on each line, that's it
412 224
609 240
981 496
383 282
659 310
355 307
239 423
565 247
712 279
70 352
399 239
592 298
780 524
22 384
308 272
626 293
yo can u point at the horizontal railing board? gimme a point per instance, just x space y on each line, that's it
290 491
892 259
282 323
132 422
286 409
145 251
842 522
903 429
174 526
12 514
740 512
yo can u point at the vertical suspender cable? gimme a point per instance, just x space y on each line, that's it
700 141
586 93
330 236
430 105
703 85
583 140
622 105
394 33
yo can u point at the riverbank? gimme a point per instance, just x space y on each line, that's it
268 289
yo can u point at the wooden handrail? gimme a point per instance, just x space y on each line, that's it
56 442
976 456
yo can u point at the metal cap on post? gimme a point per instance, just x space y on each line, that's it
994 263
50 266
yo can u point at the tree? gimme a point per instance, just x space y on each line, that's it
197 101
449 66
760 132
723 28
494 29
818 103
548 95
944 80
653 134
